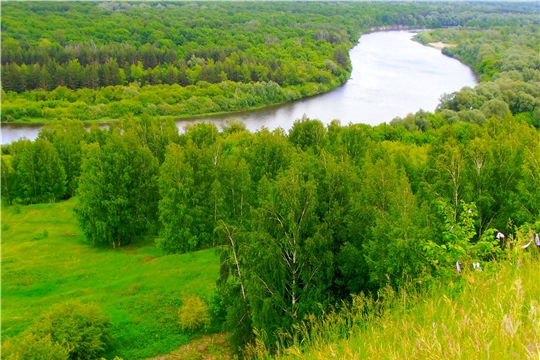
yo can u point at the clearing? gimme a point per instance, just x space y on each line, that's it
45 260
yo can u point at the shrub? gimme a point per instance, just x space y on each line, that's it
194 313
33 347
218 311
81 330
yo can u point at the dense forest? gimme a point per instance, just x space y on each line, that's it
182 59
300 219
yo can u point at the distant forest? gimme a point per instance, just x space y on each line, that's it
301 219
185 59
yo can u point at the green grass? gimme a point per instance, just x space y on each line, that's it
481 315
137 286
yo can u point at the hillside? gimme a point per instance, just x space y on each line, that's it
140 289
492 314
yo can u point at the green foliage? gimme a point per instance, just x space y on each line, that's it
34 347
67 330
194 314
393 248
307 134
495 108
67 138
459 243
8 180
117 191
504 58
290 262
298 230
408 322
190 60
80 328
36 173
176 186
300 221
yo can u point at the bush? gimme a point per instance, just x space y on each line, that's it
33 347
218 311
73 329
194 314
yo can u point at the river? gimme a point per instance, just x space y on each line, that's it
392 76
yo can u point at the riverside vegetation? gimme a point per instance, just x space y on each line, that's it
292 225
182 59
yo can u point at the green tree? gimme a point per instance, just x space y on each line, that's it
528 194
236 187
497 108
117 191
176 213
445 178
394 249
9 182
155 133
40 174
290 258
307 133
233 282
67 137
269 154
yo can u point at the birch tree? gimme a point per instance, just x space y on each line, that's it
117 191
291 263
176 203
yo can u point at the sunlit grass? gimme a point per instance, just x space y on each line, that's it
138 287
482 315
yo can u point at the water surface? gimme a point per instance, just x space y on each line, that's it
392 76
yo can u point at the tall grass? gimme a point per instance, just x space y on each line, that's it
493 314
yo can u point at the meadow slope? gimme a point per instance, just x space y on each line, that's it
479 315
140 289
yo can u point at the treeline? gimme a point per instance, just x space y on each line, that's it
156 34
245 69
300 220
242 46
505 59
295 45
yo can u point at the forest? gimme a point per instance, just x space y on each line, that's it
168 60
304 220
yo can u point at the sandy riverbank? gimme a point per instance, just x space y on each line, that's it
440 45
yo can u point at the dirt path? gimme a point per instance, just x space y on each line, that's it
208 347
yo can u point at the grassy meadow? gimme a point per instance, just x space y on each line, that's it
138 287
